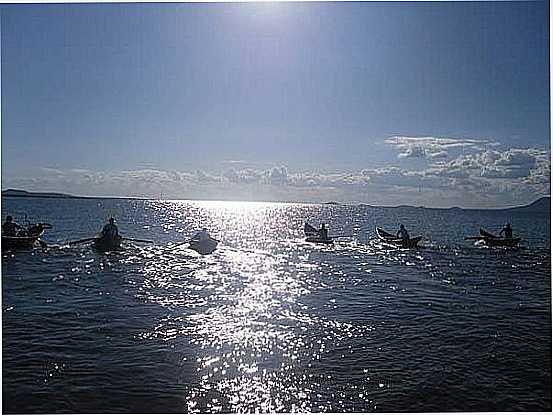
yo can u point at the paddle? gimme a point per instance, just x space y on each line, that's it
80 241
474 238
138 240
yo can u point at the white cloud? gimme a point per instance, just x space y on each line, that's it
435 147
242 175
277 175
512 163
438 155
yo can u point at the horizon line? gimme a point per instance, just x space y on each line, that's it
58 195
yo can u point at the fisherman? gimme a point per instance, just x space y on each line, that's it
508 231
110 230
9 228
202 236
402 233
323 232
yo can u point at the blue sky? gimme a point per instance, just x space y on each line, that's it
427 103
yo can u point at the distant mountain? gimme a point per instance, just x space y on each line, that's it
50 195
543 204
24 193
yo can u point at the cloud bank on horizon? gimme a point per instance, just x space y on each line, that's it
455 172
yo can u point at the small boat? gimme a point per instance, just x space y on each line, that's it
26 238
205 247
107 244
396 242
493 240
16 242
312 235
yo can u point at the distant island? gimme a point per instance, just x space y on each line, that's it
50 195
23 193
541 205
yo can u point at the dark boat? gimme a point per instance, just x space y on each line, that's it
493 240
394 241
205 247
15 242
312 235
26 238
107 244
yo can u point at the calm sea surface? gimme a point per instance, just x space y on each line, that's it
269 322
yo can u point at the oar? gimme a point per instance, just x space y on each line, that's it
188 242
138 240
178 245
80 241
474 238
340 236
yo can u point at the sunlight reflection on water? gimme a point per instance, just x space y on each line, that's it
242 309
258 345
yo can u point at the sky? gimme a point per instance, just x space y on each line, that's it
424 103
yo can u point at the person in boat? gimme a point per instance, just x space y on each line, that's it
201 236
9 228
507 230
323 232
402 233
110 230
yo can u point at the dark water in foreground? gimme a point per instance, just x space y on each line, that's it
270 323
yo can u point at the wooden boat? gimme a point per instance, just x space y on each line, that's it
18 242
493 240
312 235
204 247
26 238
107 244
396 242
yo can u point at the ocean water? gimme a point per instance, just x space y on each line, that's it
271 323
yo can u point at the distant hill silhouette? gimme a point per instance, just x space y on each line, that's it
24 193
543 204
50 195
540 205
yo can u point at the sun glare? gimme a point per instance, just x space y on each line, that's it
236 206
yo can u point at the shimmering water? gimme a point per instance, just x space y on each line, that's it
269 322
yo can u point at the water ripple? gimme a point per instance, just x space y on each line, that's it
270 323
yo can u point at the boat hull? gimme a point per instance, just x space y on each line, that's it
107 244
19 242
25 239
313 235
204 247
502 242
496 241
396 242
